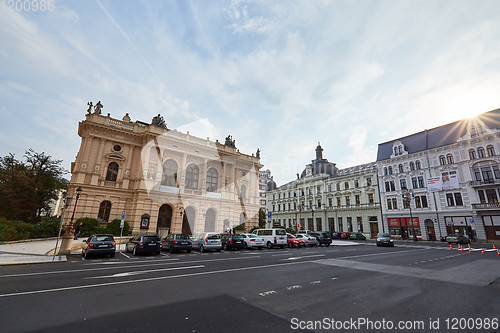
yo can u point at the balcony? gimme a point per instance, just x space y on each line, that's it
487 182
486 206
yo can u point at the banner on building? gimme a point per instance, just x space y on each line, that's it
443 183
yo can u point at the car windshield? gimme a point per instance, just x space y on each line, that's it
183 236
237 237
104 238
280 232
383 235
151 239
213 236
290 236
252 235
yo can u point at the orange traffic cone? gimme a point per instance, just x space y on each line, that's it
498 252
451 247
470 250
482 251
462 248
494 248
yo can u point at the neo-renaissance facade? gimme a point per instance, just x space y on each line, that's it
164 180
444 180
324 197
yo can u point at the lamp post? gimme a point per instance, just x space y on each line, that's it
407 194
69 231
312 212
67 201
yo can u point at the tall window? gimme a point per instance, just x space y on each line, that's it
112 172
417 165
454 199
356 183
442 161
169 176
358 200
104 210
491 150
390 170
402 183
385 171
449 158
480 152
243 191
414 183
212 180
389 204
192 174
394 203
472 154
421 182
338 202
412 166
370 198
346 185
347 201
369 181
400 168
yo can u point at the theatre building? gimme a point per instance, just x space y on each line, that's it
165 181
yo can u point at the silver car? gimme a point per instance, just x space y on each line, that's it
205 241
253 241
308 239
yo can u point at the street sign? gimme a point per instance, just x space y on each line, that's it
122 222
471 220
269 214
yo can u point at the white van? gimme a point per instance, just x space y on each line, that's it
272 237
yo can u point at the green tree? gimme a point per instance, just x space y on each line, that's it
262 217
27 187
113 228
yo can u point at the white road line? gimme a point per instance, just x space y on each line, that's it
42 291
126 274
126 266
125 255
379 254
296 258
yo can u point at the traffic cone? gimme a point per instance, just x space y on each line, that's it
451 247
498 252
482 251
494 248
462 248
470 250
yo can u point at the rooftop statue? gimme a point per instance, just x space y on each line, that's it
158 121
98 107
89 110
258 153
230 142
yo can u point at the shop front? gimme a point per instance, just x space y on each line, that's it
461 225
404 227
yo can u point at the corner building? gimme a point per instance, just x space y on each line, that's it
165 180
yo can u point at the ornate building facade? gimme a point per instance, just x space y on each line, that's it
444 180
324 197
164 180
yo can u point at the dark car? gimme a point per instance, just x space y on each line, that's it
177 242
144 244
384 239
100 244
232 242
323 238
335 235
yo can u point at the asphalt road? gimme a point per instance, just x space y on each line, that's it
348 288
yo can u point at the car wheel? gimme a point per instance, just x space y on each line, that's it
269 245
378 244
327 245
202 249
134 251
86 255
113 255
172 249
246 246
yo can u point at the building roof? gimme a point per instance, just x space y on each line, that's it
439 136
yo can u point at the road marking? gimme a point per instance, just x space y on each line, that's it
266 293
142 272
315 282
125 255
379 254
297 286
149 264
334 278
43 291
296 258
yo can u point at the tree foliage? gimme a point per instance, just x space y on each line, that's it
27 187
262 217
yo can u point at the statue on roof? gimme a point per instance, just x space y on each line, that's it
89 110
98 107
230 142
158 121
258 153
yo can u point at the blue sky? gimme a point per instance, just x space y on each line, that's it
276 75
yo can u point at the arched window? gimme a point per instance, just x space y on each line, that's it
490 150
449 158
243 191
169 176
480 152
417 165
192 174
112 172
390 170
400 168
412 166
242 218
385 173
396 151
212 180
104 210
400 150
210 220
472 154
442 160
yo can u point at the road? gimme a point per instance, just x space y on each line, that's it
278 290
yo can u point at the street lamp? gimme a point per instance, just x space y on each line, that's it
69 231
407 194
312 211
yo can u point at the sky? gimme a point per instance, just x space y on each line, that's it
280 76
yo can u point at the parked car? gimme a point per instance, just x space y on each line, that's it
345 235
323 238
99 244
177 242
384 239
293 241
304 231
207 241
336 235
456 238
144 244
308 239
253 241
357 235
275 237
232 242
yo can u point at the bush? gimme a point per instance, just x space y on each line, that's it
113 228
290 230
89 227
253 229
15 230
47 227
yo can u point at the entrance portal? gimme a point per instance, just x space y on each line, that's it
164 221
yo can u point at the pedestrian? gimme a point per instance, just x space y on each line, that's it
471 236
77 230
